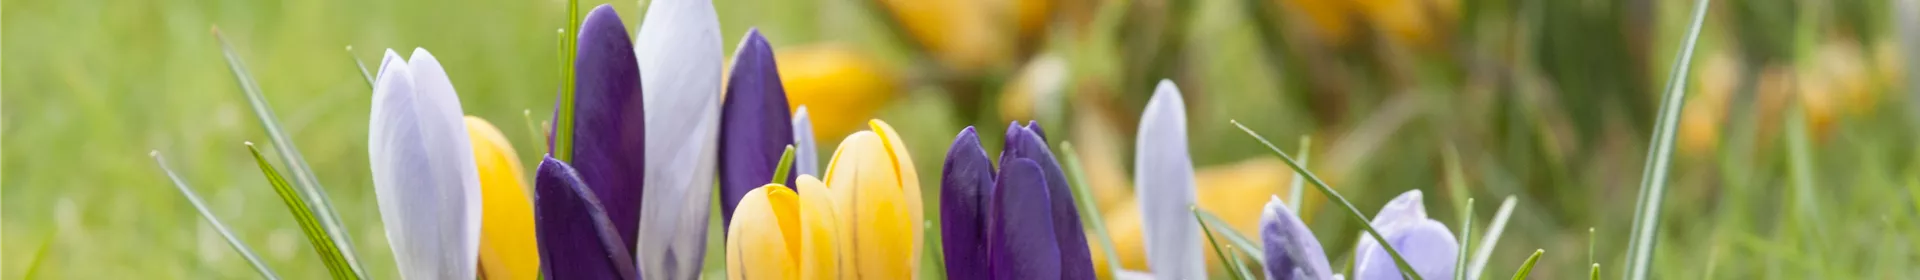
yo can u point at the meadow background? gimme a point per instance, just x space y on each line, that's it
1795 157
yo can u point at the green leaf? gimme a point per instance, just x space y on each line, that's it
201 205
1491 237
1466 242
1527 267
1233 236
786 164
1089 211
1595 273
1646 214
1354 212
563 126
337 262
307 185
1294 191
362 66
1217 251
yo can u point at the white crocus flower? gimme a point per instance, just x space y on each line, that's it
423 169
679 51
1163 178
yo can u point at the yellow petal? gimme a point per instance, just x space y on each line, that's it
840 86
962 34
871 210
764 241
819 259
909 184
508 249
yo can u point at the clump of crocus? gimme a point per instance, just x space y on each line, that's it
861 222
1426 244
1017 223
424 174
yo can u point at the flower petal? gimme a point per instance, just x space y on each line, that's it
1292 252
966 180
806 160
1163 174
577 241
1404 210
1020 233
1426 244
872 210
609 133
508 249
754 129
766 243
679 52
428 192
908 179
819 256
1023 142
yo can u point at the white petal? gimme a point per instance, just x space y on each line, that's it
679 51
806 160
1163 174
423 170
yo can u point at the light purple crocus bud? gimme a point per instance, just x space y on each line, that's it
1292 252
1426 244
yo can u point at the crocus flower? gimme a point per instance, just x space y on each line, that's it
860 223
754 128
1163 174
1292 251
1426 244
423 169
508 249
679 53
1018 223
844 86
577 240
806 160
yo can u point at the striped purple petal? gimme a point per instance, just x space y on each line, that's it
1020 233
577 241
966 180
1291 250
609 122
754 125
1027 143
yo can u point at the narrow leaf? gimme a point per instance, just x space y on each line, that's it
1466 243
1646 215
1527 267
1238 239
1492 237
1293 189
563 117
1088 208
1217 251
337 263
361 65
1595 273
1401 262
198 204
308 186
786 163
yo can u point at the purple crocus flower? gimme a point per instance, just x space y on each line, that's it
1426 244
993 227
1291 249
577 239
609 132
754 125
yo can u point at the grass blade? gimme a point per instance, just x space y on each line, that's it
40 255
1089 210
1293 189
201 205
1233 236
308 186
1595 273
1646 216
1217 251
361 65
337 262
1466 242
1492 237
1527 267
1365 223
786 164
563 125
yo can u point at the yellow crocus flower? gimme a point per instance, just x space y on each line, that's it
783 235
508 249
876 198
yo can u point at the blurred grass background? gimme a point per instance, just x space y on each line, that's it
1548 101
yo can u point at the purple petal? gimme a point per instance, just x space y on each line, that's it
1028 144
1035 127
966 180
1020 235
577 241
609 123
754 125
1406 209
1426 244
1292 252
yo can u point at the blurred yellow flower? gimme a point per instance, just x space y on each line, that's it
508 249
862 222
971 35
840 86
1236 193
